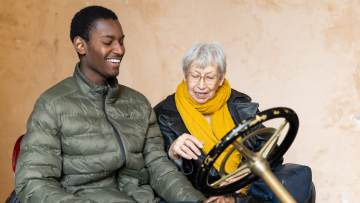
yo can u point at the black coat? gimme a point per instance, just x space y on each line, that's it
172 126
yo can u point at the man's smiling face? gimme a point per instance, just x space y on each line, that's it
103 52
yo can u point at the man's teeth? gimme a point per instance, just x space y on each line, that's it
113 60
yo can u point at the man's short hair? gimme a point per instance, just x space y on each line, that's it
86 18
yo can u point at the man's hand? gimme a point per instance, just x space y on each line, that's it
185 146
220 199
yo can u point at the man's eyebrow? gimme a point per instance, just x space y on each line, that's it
112 37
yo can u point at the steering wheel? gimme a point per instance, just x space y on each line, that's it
257 162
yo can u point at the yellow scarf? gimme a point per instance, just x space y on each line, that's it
220 119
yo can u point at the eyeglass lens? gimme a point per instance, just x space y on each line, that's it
208 79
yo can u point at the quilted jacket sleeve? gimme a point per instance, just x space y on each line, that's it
167 181
39 164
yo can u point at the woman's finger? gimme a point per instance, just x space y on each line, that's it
234 180
186 136
179 150
238 178
197 142
186 150
175 148
186 146
238 191
192 146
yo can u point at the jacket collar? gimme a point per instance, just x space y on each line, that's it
169 102
235 94
94 91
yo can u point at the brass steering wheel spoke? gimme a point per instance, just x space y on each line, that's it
238 145
271 143
244 151
256 132
242 170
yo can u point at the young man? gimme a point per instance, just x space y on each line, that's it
90 139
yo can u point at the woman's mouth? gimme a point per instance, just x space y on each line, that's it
200 95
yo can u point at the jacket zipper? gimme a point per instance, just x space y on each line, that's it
122 150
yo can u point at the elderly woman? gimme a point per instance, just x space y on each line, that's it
203 109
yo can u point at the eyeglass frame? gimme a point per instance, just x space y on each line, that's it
203 77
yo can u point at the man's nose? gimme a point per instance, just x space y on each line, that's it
119 49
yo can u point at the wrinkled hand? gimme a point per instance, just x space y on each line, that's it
234 180
185 146
220 199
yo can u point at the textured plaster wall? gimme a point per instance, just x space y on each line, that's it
302 54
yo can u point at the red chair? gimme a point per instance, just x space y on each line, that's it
16 153
13 198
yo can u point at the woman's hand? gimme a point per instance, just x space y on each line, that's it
234 180
220 199
185 146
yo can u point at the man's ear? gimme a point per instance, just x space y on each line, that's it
79 45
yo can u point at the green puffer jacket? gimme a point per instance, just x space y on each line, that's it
82 137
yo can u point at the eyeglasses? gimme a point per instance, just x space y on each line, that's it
208 79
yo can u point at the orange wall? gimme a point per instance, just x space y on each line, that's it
303 54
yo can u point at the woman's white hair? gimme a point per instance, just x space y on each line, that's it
206 53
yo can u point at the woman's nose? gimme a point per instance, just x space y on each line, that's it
201 83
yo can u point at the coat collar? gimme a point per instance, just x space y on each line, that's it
235 94
169 102
94 91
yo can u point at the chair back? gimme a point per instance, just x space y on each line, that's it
16 153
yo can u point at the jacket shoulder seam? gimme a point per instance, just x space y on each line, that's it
159 104
50 100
